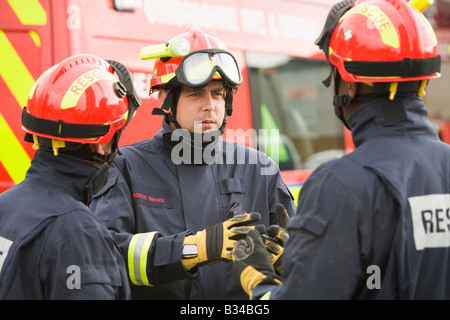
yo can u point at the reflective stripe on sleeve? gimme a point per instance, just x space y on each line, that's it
137 257
266 296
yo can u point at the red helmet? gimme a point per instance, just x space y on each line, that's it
380 41
221 64
191 59
78 100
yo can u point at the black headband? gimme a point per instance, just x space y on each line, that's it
63 129
406 68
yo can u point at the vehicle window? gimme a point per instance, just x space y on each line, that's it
290 102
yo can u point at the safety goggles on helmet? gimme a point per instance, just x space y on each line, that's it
198 68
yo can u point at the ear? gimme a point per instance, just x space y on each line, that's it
97 148
352 89
162 95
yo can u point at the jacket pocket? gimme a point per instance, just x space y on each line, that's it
232 191
312 224
231 185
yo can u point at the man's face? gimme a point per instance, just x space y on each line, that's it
102 149
202 110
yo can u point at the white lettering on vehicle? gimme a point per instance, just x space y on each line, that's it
229 17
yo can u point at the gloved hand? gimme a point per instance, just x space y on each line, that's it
251 264
276 237
215 243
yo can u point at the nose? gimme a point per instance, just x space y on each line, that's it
208 103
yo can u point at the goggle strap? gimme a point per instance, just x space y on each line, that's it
229 102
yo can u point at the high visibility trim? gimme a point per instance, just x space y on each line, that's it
137 257
295 190
387 30
266 296
81 84
167 77
14 73
29 12
12 155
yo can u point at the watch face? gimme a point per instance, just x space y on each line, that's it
189 249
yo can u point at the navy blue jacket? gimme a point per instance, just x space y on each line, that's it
152 194
375 224
51 244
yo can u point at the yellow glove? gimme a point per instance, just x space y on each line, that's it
215 243
276 237
251 264
274 243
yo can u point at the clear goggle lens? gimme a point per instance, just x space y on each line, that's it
199 67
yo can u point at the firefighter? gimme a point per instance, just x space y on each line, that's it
51 245
174 212
373 224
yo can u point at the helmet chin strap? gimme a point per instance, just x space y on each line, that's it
170 103
341 101
228 107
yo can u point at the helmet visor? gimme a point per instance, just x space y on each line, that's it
198 68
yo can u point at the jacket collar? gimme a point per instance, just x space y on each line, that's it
74 176
383 117
186 148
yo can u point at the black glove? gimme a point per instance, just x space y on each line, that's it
215 243
276 237
251 264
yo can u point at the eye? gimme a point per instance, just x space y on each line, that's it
218 94
194 94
